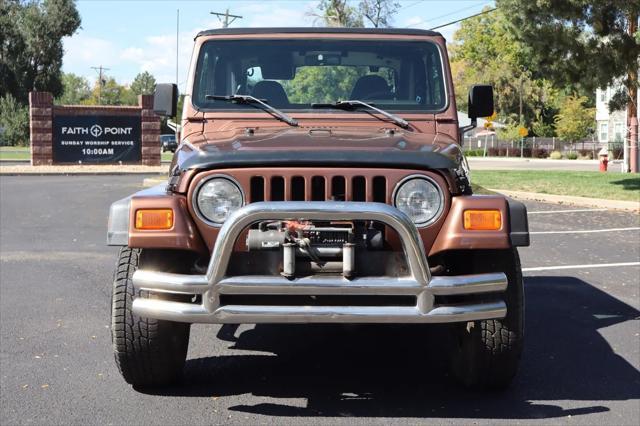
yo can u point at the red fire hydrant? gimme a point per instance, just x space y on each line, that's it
603 155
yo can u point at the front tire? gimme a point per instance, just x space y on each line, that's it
486 353
148 352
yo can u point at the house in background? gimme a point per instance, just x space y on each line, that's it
610 126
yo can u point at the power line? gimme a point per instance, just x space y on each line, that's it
463 19
226 15
448 14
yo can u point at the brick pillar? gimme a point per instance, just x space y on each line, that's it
41 128
150 132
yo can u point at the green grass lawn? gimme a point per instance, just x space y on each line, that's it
14 153
612 186
166 156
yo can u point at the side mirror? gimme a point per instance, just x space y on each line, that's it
165 100
480 101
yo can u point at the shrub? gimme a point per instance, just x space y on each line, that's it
617 153
586 154
539 153
555 155
14 119
513 152
493 152
474 152
572 155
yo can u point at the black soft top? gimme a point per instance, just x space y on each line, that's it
318 30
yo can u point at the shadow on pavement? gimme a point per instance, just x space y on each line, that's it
401 371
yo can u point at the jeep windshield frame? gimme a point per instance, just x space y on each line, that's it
402 76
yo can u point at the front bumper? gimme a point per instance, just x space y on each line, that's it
418 283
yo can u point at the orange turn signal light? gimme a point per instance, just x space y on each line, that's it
482 220
154 219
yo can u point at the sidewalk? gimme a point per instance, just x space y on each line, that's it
28 169
632 206
514 163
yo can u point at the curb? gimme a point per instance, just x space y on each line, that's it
631 206
80 173
28 170
149 182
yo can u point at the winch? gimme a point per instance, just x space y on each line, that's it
316 241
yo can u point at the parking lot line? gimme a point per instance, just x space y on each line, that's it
586 231
597 265
567 211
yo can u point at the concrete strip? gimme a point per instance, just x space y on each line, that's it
633 206
89 169
149 182
597 265
566 211
586 231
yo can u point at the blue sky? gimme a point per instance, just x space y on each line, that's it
133 36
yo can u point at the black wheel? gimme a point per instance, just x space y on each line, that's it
486 354
148 352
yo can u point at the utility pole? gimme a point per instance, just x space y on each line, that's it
101 81
177 41
226 16
632 103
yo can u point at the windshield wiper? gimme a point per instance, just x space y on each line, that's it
250 100
356 103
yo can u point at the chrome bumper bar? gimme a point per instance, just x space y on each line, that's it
418 282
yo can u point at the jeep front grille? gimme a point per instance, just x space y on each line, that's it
319 188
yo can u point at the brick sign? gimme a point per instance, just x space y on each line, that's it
96 139
93 134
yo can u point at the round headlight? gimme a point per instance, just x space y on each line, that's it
217 198
420 199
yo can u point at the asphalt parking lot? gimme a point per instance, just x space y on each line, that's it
581 363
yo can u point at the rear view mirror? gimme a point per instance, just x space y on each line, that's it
277 67
165 100
480 101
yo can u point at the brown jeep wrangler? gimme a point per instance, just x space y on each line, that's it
318 179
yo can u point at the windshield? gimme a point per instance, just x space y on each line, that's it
294 74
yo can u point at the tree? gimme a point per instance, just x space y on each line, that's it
485 50
587 42
338 13
143 84
75 91
379 12
14 121
111 93
575 121
31 45
595 43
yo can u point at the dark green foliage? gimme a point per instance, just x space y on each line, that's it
579 42
75 90
14 121
31 45
143 84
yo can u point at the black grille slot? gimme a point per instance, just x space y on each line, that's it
380 189
317 188
277 188
359 188
338 188
257 189
297 188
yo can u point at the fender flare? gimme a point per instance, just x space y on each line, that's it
518 224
